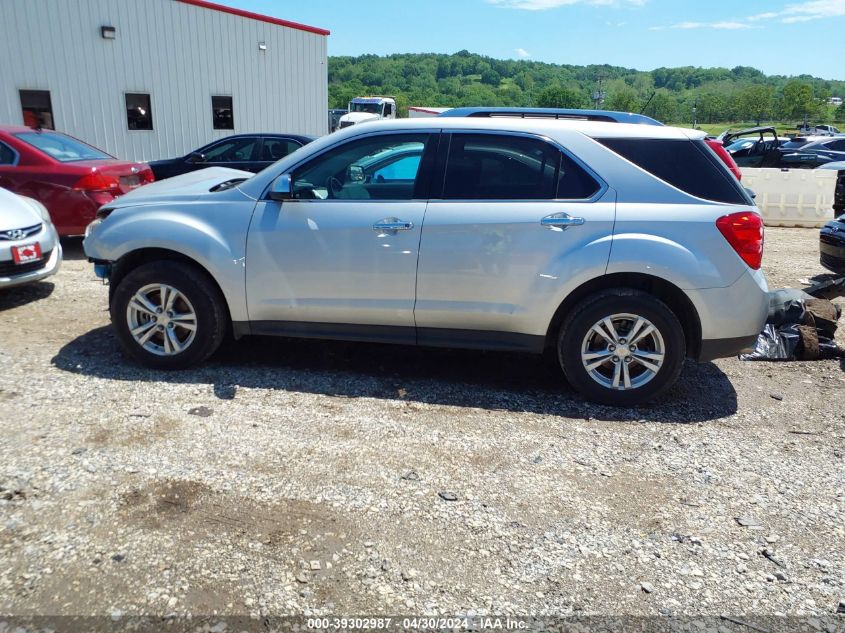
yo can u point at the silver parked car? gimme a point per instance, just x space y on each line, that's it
621 249
29 245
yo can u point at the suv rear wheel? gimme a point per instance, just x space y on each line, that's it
168 315
621 347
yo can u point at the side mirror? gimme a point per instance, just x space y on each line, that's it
281 189
196 157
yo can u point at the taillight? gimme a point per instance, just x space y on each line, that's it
97 182
721 152
146 176
744 232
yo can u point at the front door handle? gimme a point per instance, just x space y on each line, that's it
392 224
560 221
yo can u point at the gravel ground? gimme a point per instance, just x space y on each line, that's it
290 477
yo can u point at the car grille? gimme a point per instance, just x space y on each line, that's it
11 269
18 234
832 263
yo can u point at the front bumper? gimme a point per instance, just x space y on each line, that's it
832 247
51 267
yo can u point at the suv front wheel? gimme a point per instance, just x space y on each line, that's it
621 347
168 315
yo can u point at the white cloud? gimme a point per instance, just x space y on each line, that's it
730 26
812 10
544 5
521 53
795 13
726 25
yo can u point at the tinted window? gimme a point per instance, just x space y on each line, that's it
838 146
37 109
222 113
276 148
795 144
347 173
687 165
493 167
62 148
7 156
139 111
237 150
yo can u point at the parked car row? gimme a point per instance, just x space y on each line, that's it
762 147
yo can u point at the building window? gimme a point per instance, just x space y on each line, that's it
222 113
37 109
139 111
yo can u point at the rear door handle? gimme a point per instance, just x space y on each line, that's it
392 224
560 221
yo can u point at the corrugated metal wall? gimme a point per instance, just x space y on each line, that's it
178 53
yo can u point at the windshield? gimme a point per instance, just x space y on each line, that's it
371 108
738 145
62 148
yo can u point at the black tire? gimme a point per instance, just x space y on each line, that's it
197 288
620 301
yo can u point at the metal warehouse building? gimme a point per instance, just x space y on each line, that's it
158 78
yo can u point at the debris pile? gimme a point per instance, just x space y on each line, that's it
800 327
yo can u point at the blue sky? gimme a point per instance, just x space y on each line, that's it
778 37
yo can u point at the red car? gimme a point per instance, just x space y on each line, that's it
69 177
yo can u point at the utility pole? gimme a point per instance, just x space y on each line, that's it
695 114
599 95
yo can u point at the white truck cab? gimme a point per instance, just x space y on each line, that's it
363 109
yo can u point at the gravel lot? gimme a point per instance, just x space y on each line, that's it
311 477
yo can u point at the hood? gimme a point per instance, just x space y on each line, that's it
18 212
182 188
359 117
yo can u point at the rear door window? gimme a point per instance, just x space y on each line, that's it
690 166
506 167
275 149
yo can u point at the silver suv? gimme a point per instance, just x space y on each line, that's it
620 249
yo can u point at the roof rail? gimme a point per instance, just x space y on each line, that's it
607 116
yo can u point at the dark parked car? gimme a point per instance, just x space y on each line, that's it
249 152
832 236
832 246
761 147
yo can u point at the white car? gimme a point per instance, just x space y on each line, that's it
29 244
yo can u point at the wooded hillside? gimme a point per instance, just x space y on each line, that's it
466 79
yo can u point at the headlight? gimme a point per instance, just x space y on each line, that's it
102 213
45 215
90 228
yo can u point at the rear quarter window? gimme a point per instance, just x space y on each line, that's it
690 166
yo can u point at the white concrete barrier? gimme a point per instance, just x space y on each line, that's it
792 197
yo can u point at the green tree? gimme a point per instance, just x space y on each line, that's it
559 97
798 101
623 100
839 115
662 106
755 102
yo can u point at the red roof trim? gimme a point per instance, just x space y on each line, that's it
255 16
